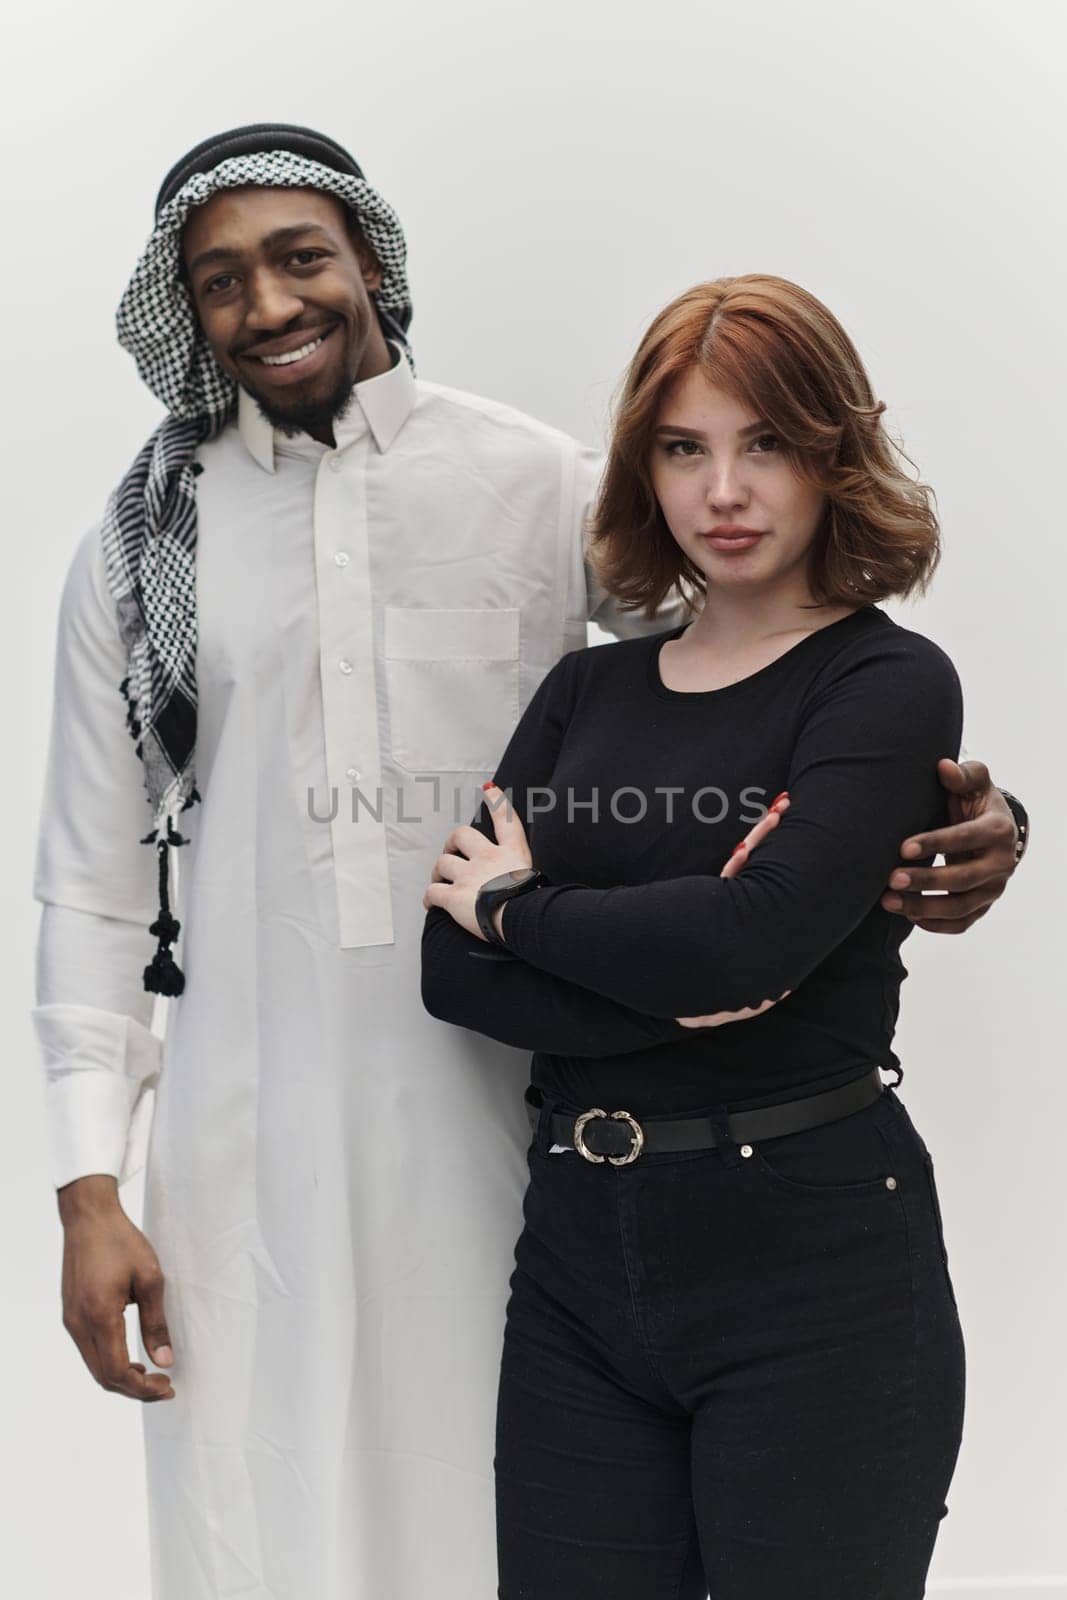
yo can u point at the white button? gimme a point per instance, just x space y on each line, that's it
353 774
345 665
746 1149
335 463
890 1183
342 558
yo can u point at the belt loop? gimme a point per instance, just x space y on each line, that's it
725 1145
542 1135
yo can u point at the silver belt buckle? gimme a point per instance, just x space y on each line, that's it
620 1116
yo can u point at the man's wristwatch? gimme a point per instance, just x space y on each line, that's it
1022 822
497 890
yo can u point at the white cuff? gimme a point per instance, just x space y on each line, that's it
100 1068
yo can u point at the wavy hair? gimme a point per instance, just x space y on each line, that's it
777 350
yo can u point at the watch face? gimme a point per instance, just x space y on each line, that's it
509 881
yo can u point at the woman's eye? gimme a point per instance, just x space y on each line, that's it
767 442
682 447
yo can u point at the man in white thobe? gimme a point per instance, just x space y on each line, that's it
332 1177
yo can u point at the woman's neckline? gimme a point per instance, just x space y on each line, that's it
658 686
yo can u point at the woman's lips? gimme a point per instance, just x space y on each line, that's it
731 543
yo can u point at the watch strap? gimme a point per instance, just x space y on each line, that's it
488 898
1022 823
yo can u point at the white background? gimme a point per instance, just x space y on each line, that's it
562 171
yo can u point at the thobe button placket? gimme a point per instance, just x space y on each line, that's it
350 690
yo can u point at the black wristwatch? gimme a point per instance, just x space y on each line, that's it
1022 822
497 890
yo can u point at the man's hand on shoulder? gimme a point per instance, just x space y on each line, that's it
979 848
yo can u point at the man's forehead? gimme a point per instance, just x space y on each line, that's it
241 216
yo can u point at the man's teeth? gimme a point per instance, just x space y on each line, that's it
292 355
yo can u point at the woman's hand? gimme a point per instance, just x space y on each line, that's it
717 1018
766 824
457 876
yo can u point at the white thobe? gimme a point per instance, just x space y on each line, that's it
332 1177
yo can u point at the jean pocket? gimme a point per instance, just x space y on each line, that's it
849 1157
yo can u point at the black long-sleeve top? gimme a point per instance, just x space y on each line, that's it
633 796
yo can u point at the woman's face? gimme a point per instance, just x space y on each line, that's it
717 466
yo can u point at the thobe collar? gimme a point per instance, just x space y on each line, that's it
383 403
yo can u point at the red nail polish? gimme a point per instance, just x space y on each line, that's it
489 785
783 796
737 847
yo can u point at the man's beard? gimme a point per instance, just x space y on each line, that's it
301 416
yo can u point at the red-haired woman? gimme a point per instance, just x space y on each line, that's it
732 1358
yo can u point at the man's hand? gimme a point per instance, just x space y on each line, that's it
108 1264
979 852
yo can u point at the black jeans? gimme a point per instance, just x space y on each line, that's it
730 1373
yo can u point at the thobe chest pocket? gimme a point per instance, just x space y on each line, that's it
453 684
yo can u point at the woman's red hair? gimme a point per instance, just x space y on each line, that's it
780 352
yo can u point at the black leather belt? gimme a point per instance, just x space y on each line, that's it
619 1138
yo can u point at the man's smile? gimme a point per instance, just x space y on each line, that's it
297 357
292 355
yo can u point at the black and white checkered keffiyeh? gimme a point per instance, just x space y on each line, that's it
149 525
